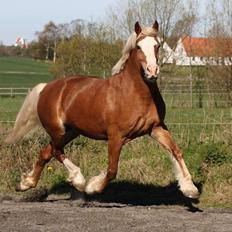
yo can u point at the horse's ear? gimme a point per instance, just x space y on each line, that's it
137 28
156 26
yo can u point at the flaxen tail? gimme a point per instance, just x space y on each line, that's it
27 118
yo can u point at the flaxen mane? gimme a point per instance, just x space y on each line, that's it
130 44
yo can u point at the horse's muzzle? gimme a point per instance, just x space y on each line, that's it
153 78
149 78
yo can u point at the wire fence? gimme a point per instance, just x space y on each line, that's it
187 103
172 98
12 92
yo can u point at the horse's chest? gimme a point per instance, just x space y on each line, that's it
144 121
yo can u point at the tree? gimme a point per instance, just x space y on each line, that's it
89 51
123 15
63 31
48 38
218 24
176 19
37 50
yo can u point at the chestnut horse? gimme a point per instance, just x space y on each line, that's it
118 109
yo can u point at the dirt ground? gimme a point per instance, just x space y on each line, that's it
60 213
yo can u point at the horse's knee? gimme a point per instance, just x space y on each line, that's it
45 155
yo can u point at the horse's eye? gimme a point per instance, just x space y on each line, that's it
138 47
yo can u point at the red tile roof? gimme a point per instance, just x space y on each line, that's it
208 47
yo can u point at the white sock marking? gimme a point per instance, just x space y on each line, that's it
75 175
95 184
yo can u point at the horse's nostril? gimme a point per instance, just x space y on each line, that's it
148 69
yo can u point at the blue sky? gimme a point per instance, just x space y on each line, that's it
25 17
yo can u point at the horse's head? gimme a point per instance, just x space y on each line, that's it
147 45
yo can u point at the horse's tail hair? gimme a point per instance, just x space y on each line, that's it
27 118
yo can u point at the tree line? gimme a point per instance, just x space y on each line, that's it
92 48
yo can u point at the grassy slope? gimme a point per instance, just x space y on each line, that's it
23 68
22 64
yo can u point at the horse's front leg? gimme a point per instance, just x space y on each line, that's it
163 136
97 183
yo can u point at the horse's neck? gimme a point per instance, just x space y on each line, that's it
131 75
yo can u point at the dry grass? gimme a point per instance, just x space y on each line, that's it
142 161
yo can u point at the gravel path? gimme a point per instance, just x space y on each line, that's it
76 215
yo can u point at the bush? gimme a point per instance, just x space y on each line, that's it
214 155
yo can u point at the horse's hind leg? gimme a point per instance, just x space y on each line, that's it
55 149
75 176
162 135
31 179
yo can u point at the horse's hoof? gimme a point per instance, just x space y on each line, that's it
79 186
18 188
24 185
95 184
77 180
193 194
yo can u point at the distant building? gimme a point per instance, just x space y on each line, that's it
168 54
20 42
203 51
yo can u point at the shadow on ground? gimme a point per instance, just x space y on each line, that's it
134 194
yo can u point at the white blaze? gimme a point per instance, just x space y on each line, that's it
147 45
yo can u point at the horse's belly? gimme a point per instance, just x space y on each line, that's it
88 125
91 132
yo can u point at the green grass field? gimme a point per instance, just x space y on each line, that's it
22 72
204 135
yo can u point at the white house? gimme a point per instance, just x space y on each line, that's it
168 54
203 51
20 42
